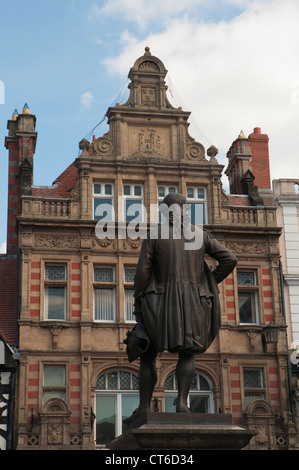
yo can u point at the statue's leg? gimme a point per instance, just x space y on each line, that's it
147 380
185 371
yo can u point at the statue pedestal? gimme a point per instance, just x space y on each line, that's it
185 431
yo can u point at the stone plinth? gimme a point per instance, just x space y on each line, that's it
188 431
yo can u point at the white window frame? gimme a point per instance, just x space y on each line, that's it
54 283
204 393
131 196
258 391
54 388
252 289
117 394
103 195
195 200
98 285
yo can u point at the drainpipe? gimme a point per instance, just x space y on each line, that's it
286 336
10 411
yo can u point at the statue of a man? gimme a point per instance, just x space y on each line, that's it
177 299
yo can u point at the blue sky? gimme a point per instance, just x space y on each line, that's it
232 63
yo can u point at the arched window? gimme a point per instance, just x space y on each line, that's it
116 398
200 399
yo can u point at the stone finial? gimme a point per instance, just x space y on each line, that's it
15 115
147 51
212 152
84 145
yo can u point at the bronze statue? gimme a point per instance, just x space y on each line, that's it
177 305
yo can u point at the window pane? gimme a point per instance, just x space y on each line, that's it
127 190
171 382
170 403
129 404
252 378
105 419
129 274
103 208
203 383
135 383
55 303
161 191
133 210
190 192
172 190
54 376
197 213
97 189
200 193
108 189
246 278
103 274
101 382
112 380
55 273
199 404
250 397
247 313
137 191
125 381
53 394
104 304
129 305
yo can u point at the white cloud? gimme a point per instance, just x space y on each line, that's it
142 12
3 247
233 75
86 99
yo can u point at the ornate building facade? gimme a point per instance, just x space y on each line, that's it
74 382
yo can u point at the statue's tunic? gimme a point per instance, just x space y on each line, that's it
177 293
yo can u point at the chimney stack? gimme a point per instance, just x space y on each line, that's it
20 143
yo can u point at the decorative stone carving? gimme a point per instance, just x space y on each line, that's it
195 152
103 146
148 66
135 244
56 241
55 424
86 233
148 96
149 145
255 248
212 152
84 145
105 242
75 192
26 231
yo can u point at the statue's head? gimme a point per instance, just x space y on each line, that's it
175 198
176 206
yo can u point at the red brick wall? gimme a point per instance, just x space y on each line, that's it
260 159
